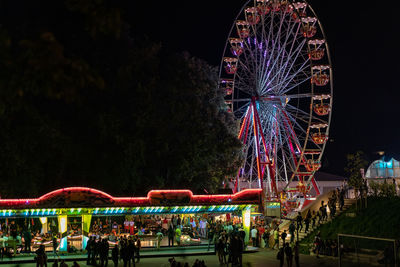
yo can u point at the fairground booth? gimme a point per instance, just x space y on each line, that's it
75 213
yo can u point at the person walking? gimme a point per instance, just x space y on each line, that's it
313 219
115 255
307 223
276 238
292 229
299 220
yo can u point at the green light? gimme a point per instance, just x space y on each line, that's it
72 210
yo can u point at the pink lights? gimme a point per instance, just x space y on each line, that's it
84 196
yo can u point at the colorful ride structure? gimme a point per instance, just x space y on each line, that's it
277 77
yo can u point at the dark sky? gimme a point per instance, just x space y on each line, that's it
365 57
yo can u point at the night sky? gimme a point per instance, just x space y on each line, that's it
365 57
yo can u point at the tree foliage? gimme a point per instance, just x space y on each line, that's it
86 102
355 162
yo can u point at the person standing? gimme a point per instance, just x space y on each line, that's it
178 234
125 253
283 236
104 249
211 235
240 247
41 257
289 255
261 231
296 254
171 234
281 257
2 245
55 245
138 247
266 238
253 233
159 237
28 240
89 249
131 252
115 255
220 249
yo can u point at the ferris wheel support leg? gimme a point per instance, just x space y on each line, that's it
315 186
259 133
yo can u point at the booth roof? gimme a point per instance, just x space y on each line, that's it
88 197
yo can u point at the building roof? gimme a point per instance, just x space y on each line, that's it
323 176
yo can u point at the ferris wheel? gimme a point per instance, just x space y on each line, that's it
277 77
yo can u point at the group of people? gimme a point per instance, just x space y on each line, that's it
126 250
228 240
324 247
287 252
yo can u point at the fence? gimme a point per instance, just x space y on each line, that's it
357 250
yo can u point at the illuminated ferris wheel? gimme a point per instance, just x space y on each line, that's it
277 76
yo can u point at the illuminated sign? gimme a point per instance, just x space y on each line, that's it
273 209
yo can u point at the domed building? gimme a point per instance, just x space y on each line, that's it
383 170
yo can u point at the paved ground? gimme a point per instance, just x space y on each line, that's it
263 258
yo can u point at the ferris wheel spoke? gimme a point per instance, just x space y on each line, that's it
294 31
287 79
267 72
288 34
